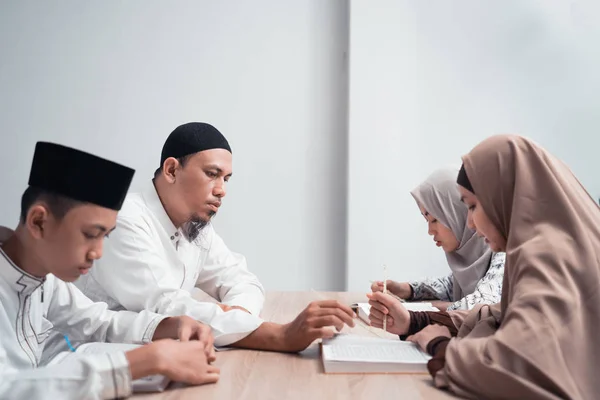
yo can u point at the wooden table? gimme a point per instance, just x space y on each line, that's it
250 374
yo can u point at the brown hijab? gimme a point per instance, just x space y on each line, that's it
541 341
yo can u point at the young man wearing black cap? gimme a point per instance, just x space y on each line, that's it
69 207
165 246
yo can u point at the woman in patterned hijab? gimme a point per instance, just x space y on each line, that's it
476 274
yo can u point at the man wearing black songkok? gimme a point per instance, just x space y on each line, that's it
165 246
69 207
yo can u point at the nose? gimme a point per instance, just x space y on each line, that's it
430 230
219 190
96 252
470 223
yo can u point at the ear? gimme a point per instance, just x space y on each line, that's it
36 220
171 167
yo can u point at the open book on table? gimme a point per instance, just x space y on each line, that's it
347 353
153 383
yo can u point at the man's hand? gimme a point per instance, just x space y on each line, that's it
427 334
180 361
400 289
185 329
315 322
385 306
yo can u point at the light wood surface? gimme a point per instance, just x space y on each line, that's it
249 374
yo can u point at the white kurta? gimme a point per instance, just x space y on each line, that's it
33 308
147 264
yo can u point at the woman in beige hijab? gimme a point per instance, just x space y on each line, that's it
541 341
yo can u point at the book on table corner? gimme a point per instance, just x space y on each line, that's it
363 309
352 354
152 383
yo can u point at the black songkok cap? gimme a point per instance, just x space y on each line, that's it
79 175
192 138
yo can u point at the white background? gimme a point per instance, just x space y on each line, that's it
430 79
332 119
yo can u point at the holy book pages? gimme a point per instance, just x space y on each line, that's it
358 354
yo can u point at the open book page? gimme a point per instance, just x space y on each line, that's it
420 307
350 348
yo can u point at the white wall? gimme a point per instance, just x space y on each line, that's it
429 80
115 77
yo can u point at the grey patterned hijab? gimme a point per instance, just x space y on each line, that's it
439 195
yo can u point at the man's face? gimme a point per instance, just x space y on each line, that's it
201 182
68 247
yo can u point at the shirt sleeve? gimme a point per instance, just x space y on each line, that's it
225 276
488 289
437 349
420 319
98 376
145 283
433 288
83 320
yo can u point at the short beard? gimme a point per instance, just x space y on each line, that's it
194 225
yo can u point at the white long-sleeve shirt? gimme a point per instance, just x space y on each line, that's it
32 308
147 264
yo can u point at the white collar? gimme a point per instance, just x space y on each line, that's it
21 281
153 202
150 196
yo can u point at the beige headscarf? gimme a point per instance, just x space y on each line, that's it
542 341
439 195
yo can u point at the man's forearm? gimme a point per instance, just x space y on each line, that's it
268 336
